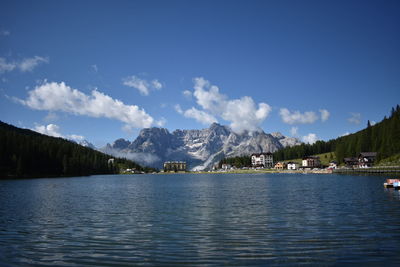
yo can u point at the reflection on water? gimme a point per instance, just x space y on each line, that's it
199 220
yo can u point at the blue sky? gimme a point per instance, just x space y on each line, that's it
102 70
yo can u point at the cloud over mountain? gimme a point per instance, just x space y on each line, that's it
54 130
297 117
50 129
52 96
243 113
311 138
308 117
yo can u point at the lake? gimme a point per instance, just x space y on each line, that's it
207 220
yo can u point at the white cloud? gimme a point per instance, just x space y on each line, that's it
355 118
141 158
54 130
76 138
311 138
324 114
156 84
210 99
50 129
95 68
161 122
372 123
26 64
178 109
188 94
142 85
60 97
346 133
243 114
6 66
297 117
294 131
200 116
51 116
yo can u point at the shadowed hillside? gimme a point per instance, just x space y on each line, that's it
25 153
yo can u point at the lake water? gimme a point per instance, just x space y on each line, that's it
184 219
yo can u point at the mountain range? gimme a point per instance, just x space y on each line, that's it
201 149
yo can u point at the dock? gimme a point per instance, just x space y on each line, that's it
372 170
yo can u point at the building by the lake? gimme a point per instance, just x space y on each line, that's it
226 166
264 160
311 162
175 166
280 166
292 166
364 160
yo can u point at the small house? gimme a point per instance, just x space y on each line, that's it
226 166
280 166
351 162
332 165
366 159
311 162
292 166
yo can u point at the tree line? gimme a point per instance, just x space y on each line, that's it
25 153
383 137
238 162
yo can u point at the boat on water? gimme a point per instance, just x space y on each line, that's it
392 183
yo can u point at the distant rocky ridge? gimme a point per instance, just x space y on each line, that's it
201 149
84 143
286 141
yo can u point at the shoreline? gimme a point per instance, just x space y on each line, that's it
367 171
252 171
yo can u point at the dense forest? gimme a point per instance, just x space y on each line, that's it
383 137
25 153
238 162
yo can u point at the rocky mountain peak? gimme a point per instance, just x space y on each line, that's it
121 143
199 148
278 135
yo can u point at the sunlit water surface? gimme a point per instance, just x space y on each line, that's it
266 219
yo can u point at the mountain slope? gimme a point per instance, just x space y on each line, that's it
199 148
383 138
25 153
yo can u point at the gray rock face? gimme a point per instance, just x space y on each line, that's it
286 141
201 149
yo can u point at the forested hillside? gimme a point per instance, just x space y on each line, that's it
25 153
238 162
383 137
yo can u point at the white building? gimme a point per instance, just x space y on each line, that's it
332 165
226 166
262 160
292 166
311 162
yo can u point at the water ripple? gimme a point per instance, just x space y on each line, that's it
204 220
